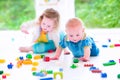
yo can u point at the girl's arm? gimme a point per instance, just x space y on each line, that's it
26 26
86 54
58 53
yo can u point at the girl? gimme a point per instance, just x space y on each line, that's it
48 38
81 45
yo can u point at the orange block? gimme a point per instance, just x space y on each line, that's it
27 62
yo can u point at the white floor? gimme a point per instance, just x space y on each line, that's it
11 40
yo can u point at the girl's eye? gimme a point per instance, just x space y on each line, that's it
71 35
43 23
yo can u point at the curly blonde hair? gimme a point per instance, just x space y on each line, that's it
51 14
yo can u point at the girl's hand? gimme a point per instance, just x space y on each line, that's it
84 59
24 30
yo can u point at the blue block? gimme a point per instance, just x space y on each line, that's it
40 74
104 46
10 66
92 68
50 78
104 75
111 61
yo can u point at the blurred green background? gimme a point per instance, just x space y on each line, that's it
95 13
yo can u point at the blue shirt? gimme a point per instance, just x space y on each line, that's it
77 49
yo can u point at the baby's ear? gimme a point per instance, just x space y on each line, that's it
83 30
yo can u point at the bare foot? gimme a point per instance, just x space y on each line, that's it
25 49
54 58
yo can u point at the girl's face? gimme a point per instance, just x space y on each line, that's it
75 34
47 24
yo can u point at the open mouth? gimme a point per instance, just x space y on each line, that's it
75 40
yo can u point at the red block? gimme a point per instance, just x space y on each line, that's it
117 45
3 76
46 59
88 65
50 51
96 71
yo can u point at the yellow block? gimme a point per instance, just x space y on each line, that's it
7 74
58 73
35 63
36 57
2 60
34 68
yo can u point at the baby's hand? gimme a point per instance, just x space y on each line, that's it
84 59
54 58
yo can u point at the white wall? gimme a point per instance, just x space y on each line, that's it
64 7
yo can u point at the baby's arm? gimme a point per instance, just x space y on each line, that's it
86 54
58 53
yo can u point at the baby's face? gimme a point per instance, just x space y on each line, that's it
47 24
75 34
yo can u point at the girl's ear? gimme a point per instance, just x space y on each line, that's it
66 30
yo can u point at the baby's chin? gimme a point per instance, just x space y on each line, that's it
75 41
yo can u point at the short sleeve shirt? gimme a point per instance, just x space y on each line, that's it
77 49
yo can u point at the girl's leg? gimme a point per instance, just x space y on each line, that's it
43 47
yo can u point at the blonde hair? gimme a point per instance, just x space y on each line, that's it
51 14
75 22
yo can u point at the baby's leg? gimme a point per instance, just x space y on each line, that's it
94 50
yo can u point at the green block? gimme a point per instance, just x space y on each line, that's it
1 72
29 56
109 63
75 60
49 71
34 73
73 66
42 56
118 76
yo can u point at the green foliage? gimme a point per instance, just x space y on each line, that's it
95 13
99 13
14 12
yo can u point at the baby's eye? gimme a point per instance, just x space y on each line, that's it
77 35
48 26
